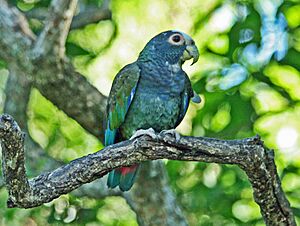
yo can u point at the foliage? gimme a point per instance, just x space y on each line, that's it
248 76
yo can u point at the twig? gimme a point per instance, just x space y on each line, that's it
92 14
54 34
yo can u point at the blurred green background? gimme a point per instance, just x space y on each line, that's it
248 76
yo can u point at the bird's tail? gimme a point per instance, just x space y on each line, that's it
124 177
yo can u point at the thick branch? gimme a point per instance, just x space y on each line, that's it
72 93
17 92
248 153
12 143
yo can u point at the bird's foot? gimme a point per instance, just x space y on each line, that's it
171 132
196 98
149 132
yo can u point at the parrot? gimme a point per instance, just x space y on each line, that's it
151 93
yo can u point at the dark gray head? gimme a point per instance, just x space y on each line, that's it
170 46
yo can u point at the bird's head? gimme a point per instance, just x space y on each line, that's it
172 47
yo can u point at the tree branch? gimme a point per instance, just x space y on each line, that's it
15 34
249 154
12 143
87 15
17 96
72 93
54 34
17 90
91 14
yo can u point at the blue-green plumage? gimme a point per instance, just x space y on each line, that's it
153 92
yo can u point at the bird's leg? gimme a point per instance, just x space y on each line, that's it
149 132
171 132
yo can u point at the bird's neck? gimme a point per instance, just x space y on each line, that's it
162 74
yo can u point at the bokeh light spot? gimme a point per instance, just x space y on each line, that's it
287 137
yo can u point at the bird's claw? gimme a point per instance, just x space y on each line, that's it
171 132
149 132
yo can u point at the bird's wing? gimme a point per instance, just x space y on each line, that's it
187 95
119 100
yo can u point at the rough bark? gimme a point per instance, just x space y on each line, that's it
250 154
13 168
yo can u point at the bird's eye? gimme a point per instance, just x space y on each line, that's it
176 39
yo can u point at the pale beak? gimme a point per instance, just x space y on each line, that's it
192 52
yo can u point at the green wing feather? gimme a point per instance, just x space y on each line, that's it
186 95
119 100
